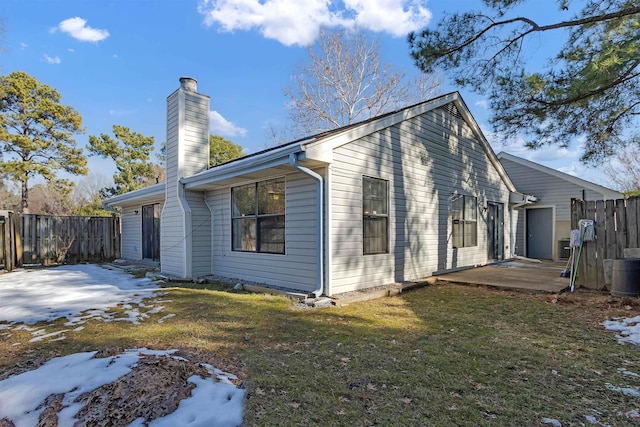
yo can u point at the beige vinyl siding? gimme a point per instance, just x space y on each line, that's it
172 224
551 191
131 239
187 154
201 234
425 159
172 241
195 134
295 269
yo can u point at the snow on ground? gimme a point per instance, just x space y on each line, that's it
212 403
31 296
79 293
628 328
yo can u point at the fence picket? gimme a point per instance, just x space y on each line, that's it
49 240
617 222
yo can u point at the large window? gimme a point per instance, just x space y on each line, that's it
375 216
464 213
258 217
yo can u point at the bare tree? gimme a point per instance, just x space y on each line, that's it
51 198
624 171
346 82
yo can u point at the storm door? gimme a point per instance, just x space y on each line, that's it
151 232
495 230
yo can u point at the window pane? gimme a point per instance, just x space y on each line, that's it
243 200
375 235
271 234
470 233
470 208
456 207
457 234
243 235
271 196
374 196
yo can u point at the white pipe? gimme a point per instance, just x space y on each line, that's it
293 161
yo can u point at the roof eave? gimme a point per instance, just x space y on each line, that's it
146 193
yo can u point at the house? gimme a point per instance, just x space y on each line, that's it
399 197
544 228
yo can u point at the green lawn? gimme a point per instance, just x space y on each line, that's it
436 356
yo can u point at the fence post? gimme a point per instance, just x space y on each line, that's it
8 253
17 239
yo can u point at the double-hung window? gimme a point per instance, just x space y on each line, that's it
464 215
258 217
375 215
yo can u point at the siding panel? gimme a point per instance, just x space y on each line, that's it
426 160
297 268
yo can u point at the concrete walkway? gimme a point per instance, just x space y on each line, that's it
515 275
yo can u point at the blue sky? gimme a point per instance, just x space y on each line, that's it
117 61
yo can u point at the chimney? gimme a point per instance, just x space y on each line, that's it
187 131
187 155
189 84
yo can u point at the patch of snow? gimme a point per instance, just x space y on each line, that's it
552 421
629 329
76 292
155 310
21 396
627 391
627 373
168 316
634 414
41 337
211 403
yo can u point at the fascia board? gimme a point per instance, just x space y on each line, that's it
251 164
147 193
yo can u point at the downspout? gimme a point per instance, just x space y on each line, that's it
293 161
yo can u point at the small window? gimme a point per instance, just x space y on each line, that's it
464 215
258 217
375 216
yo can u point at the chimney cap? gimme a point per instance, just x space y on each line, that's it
189 83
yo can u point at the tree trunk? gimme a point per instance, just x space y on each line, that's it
24 204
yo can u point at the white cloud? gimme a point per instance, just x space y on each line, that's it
114 112
395 17
71 50
220 126
52 60
295 22
482 103
79 30
23 46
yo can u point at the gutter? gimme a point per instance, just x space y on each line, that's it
109 208
293 161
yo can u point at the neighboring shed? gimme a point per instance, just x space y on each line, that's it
396 198
543 229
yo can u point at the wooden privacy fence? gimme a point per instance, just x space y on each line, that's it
50 240
616 228
8 256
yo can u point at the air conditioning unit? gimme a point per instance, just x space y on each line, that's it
564 250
